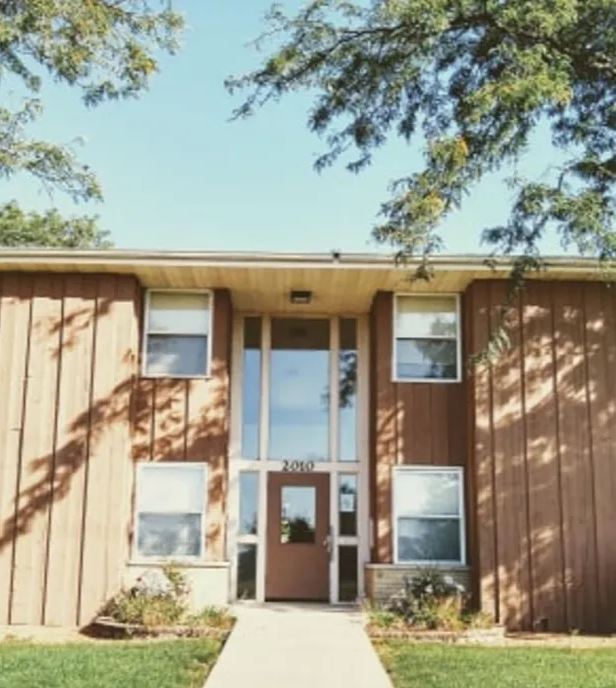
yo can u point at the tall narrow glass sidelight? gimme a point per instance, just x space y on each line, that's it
251 388
347 390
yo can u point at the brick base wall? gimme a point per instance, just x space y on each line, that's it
385 580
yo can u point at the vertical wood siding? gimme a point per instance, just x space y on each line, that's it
75 417
412 423
543 440
188 420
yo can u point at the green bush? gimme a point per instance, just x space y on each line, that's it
158 598
429 600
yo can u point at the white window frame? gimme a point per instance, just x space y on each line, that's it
394 357
144 465
459 471
147 333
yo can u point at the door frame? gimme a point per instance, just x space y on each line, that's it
335 468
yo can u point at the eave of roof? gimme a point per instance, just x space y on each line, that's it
341 282
267 259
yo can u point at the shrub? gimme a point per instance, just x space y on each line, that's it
158 598
429 600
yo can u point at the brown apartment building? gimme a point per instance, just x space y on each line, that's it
304 427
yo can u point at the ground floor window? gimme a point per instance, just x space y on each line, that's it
170 510
428 515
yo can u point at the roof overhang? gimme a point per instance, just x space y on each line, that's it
343 283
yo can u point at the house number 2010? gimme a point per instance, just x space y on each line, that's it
297 466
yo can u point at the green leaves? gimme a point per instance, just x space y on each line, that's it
472 78
19 229
106 49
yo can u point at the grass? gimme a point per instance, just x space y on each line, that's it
107 664
446 666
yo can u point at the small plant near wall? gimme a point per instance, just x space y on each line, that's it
157 604
430 602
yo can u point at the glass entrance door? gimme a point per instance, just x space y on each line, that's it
300 386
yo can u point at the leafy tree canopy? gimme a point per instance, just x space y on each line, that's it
475 77
104 48
50 229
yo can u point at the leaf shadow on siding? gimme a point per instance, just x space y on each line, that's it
85 479
187 420
546 459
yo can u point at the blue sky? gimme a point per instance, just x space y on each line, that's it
177 174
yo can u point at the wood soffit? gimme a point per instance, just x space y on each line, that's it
341 283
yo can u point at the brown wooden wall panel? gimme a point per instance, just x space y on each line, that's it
543 424
208 424
106 520
65 533
600 317
68 354
575 451
543 459
15 315
413 423
35 491
384 439
481 457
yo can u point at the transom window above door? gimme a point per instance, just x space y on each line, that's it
291 401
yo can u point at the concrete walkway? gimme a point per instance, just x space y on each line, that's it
298 646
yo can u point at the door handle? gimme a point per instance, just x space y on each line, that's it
328 542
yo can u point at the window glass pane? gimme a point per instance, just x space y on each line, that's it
426 359
426 493
299 389
169 535
429 539
179 313
164 489
247 572
249 491
426 316
347 390
347 573
171 355
298 514
251 388
347 504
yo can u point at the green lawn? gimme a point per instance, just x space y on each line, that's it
165 664
446 666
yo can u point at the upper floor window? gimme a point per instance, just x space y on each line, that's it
177 334
426 338
428 515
